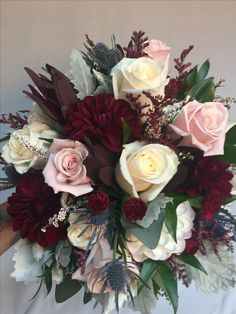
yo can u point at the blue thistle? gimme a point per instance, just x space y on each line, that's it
114 275
99 218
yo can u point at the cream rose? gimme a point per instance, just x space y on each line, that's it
202 126
133 76
144 170
166 246
78 236
25 149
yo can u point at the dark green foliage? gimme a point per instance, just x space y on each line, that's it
67 288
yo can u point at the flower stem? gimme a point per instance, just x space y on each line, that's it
115 246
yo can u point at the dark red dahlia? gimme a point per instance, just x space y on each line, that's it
33 203
212 181
135 209
98 201
100 117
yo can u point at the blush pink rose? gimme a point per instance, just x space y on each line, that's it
159 51
202 126
65 171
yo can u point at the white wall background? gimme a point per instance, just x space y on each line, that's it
35 32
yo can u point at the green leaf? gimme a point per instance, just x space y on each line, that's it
148 270
126 132
231 136
180 198
23 111
229 200
192 261
166 280
48 278
203 71
192 77
195 202
87 297
229 154
5 138
66 289
203 91
37 291
171 219
148 236
170 212
49 140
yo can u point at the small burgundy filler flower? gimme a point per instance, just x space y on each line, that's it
135 209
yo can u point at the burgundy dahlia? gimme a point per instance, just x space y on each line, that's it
135 209
98 201
100 117
33 203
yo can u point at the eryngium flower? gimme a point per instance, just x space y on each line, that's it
33 203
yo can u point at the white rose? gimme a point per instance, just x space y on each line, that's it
144 170
133 76
166 246
25 149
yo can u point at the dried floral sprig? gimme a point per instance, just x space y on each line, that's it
215 232
227 101
180 64
155 125
221 83
81 258
180 269
175 85
137 45
16 121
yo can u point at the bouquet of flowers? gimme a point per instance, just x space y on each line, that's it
122 177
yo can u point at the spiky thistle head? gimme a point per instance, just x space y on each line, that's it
117 277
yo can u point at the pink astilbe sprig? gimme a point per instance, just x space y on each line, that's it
155 125
214 232
179 269
175 85
136 46
180 64
16 121
81 256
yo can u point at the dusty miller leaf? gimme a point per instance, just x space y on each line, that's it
153 211
104 81
145 301
80 75
221 269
